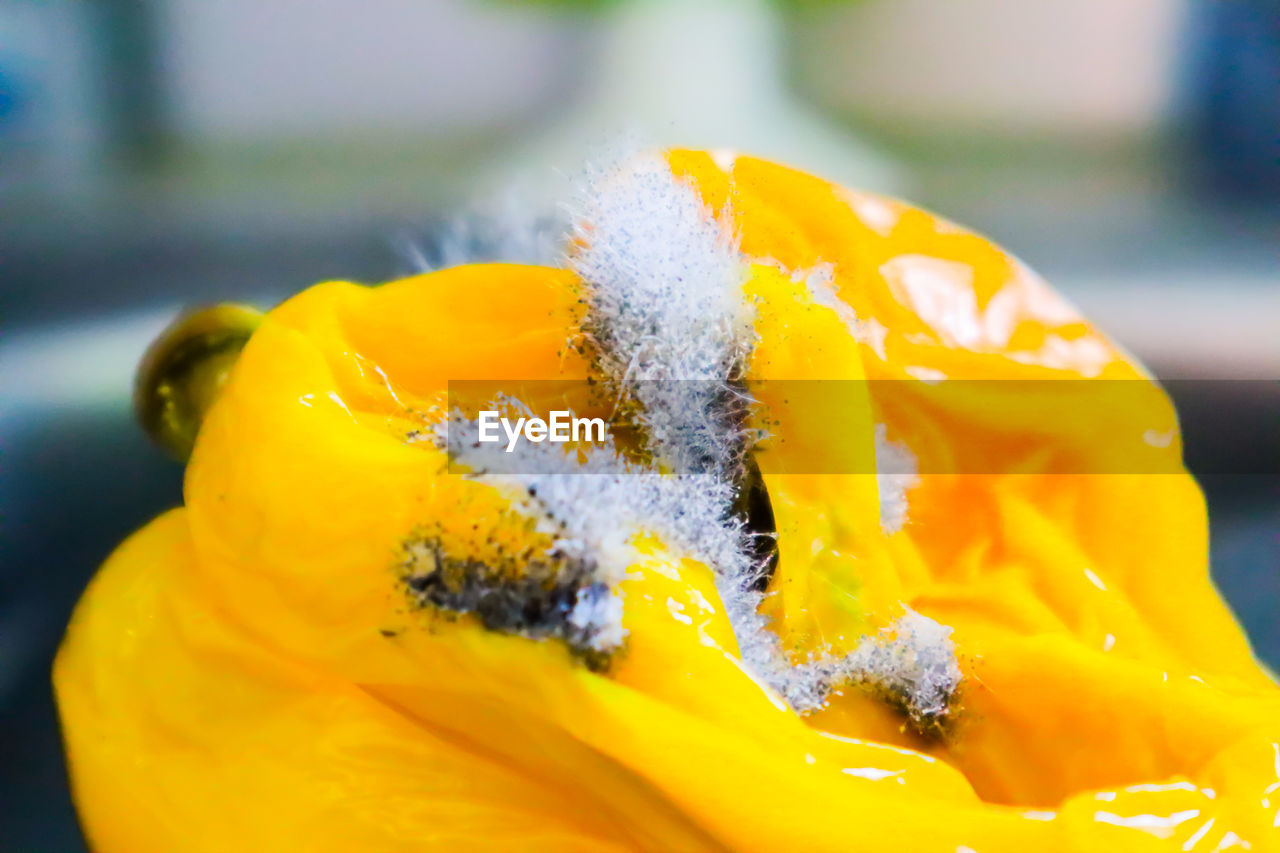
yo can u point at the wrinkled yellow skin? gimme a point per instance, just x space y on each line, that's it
247 672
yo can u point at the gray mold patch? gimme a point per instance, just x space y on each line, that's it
663 284
539 597
910 665
506 228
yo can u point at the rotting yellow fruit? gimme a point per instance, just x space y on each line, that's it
264 669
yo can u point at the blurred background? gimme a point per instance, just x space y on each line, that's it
159 153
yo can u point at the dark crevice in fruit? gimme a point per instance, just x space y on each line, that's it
753 506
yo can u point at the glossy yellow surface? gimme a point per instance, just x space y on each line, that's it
247 673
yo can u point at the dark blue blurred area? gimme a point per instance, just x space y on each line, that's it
1234 89
9 98
73 486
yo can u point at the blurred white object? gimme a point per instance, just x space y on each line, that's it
248 71
1190 326
76 365
705 74
1075 67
